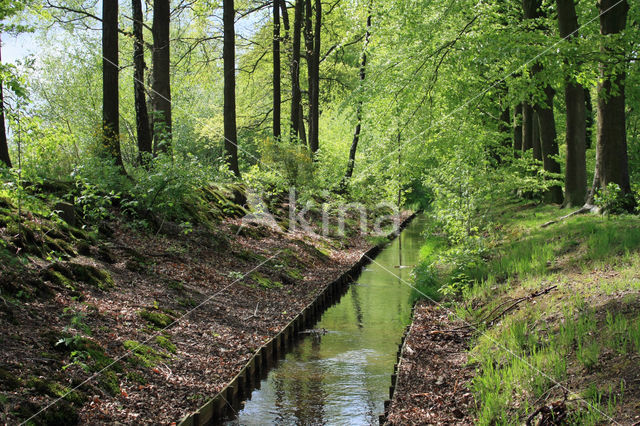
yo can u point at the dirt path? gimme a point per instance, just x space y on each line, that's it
431 386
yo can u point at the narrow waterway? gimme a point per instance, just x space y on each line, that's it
343 376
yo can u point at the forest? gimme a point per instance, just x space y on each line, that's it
182 178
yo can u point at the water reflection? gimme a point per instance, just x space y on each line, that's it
343 377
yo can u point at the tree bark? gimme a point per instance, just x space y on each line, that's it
575 180
314 122
546 117
143 128
612 164
110 71
4 146
527 127
277 97
535 137
312 43
296 95
356 133
517 130
589 118
549 143
161 85
229 59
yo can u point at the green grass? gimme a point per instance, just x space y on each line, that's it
567 334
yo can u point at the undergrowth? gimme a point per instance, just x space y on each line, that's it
578 343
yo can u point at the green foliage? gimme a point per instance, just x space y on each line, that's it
612 200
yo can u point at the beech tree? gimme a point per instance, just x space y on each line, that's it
544 110
143 128
575 177
612 163
161 80
229 59
296 94
356 133
110 88
277 98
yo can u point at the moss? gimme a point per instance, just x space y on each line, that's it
295 274
58 278
265 282
59 246
108 380
142 354
91 275
158 319
56 390
165 343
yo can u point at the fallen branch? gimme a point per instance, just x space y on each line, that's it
587 208
520 300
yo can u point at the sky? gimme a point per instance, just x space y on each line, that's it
17 47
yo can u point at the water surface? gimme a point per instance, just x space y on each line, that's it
343 376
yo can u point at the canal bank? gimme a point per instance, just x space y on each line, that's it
343 373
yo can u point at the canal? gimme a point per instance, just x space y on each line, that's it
342 373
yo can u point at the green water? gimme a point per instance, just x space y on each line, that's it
343 377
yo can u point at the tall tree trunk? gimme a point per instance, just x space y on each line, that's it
527 127
575 179
4 146
308 44
314 89
229 59
110 71
356 133
296 95
161 85
546 117
589 119
277 97
549 142
143 129
517 130
612 164
535 138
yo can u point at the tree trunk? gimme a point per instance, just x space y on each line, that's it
612 164
356 133
314 94
527 127
110 71
296 95
546 117
161 85
589 118
312 44
143 129
277 97
4 146
549 143
535 137
229 59
517 130
575 180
